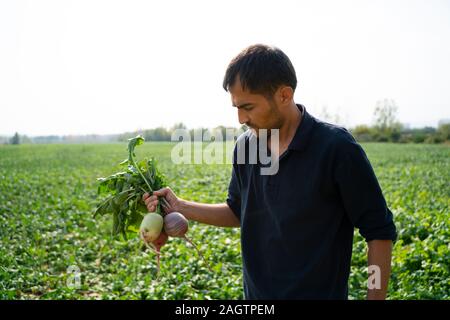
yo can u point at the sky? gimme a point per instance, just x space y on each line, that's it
103 67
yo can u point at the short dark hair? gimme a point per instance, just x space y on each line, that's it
261 70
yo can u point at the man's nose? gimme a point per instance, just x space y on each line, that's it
243 118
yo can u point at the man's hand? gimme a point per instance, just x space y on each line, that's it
151 201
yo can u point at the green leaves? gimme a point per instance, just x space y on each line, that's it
125 190
132 143
47 193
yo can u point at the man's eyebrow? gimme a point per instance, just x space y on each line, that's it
243 105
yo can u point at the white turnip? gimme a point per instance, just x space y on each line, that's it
151 227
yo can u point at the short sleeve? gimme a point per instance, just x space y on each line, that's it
361 193
234 194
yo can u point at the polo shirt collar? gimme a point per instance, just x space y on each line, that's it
304 131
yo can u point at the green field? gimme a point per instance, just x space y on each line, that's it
48 194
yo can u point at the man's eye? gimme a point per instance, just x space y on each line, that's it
248 108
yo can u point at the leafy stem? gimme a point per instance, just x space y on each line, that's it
140 172
133 142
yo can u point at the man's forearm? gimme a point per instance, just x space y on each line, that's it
213 214
379 256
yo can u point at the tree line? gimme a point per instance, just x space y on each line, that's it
385 128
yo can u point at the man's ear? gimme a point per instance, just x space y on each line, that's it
285 94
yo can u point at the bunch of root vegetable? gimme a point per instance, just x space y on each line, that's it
125 203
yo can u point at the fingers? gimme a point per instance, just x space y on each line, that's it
150 202
168 210
151 207
158 192
161 193
148 198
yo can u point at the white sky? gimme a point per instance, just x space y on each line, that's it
79 67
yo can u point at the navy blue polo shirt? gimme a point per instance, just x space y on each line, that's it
297 225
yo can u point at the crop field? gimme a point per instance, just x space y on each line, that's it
49 192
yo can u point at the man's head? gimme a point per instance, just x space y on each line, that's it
261 81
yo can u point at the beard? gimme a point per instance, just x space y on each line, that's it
274 120
265 131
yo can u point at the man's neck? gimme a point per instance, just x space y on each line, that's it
289 128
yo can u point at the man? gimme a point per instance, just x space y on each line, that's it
296 225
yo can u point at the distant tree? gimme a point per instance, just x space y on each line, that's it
179 125
222 130
4 140
15 139
385 115
25 139
157 134
338 117
363 133
386 125
444 131
443 121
